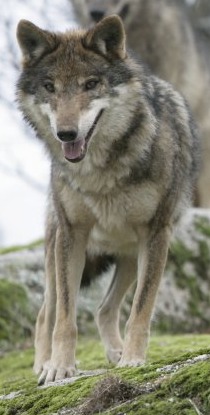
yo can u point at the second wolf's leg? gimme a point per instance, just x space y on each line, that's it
108 314
70 260
46 317
149 274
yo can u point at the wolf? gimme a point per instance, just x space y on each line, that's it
162 34
89 11
124 153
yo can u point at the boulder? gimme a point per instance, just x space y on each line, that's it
183 303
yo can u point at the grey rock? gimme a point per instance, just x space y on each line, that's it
27 268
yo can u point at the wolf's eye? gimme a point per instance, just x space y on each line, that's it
91 84
49 86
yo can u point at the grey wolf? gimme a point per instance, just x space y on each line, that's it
89 11
124 156
162 34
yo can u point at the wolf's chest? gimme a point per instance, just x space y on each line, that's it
115 213
124 240
120 218
118 208
113 200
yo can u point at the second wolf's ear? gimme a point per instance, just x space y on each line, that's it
107 37
33 41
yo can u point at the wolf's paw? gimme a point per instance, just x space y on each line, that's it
37 368
131 362
51 373
40 364
114 355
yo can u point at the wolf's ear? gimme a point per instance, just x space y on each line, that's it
33 41
107 37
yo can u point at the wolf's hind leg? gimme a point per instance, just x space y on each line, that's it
151 268
108 313
46 317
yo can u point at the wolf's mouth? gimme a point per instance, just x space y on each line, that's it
75 151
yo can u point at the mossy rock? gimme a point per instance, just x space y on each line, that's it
21 292
183 303
16 322
176 380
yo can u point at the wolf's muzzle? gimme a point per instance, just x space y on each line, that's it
67 136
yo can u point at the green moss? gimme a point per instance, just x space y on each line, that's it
180 254
192 382
36 401
16 375
17 248
150 406
177 393
92 355
15 314
202 260
169 348
189 278
202 224
171 397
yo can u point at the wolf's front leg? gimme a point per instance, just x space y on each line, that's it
46 317
151 267
70 261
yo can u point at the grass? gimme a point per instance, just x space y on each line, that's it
176 393
17 248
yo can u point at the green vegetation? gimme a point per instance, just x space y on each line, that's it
16 323
190 267
17 248
149 390
202 224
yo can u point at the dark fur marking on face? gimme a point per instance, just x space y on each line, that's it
26 83
118 74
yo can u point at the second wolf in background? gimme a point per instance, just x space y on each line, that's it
161 33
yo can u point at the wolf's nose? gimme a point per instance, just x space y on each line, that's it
67 135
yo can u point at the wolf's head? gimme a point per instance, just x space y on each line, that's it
97 9
68 80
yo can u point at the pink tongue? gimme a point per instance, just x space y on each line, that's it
73 150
